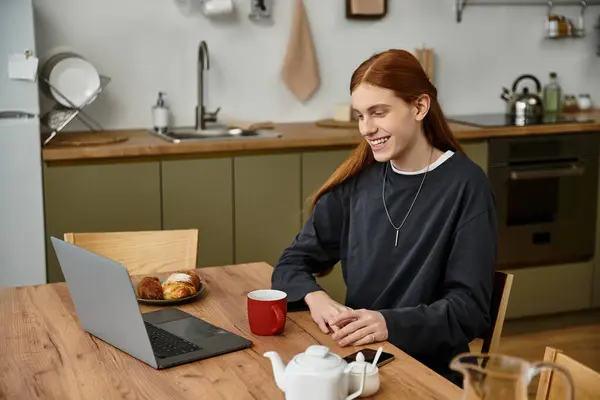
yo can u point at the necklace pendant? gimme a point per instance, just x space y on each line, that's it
396 243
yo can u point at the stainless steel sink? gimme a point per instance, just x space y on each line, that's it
214 133
207 128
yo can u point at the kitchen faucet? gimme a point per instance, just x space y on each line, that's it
201 115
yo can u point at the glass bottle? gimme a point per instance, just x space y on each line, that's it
563 26
552 26
552 95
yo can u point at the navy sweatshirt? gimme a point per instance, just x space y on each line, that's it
434 288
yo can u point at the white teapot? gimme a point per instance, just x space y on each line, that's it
315 374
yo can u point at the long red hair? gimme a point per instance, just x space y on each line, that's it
400 71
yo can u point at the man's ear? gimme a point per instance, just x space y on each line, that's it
422 105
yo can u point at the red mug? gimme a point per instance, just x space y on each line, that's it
267 311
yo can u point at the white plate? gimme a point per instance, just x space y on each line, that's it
75 78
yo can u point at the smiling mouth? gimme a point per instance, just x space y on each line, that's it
378 141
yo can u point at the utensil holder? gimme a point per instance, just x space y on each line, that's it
426 57
60 116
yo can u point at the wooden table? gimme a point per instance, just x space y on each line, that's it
44 353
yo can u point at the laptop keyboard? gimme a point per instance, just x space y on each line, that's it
165 344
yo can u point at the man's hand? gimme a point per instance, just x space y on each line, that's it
323 309
361 327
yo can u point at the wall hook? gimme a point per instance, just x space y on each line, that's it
580 23
259 10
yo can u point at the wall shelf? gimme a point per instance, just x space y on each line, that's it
460 5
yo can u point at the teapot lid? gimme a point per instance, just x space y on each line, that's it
318 357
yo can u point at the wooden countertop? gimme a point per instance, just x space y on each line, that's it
46 354
140 143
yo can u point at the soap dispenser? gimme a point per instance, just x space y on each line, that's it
160 114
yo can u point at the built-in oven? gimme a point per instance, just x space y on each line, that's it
545 189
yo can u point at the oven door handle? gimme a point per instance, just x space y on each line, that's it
558 172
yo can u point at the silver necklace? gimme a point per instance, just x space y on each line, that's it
411 206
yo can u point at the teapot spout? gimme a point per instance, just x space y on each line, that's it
278 368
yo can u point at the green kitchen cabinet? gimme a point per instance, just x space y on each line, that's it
596 280
596 285
317 166
198 193
477 151
99 197
550 289
267 211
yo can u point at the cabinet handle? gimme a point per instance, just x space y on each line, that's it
561 172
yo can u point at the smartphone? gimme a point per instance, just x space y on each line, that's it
369 354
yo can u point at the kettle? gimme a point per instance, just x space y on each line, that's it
524 106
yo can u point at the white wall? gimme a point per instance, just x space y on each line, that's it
149 45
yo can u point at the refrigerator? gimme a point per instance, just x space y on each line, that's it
22 244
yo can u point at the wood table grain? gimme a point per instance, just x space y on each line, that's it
44 353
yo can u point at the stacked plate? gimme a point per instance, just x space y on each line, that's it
73 81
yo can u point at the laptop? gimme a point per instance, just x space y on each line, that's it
106 304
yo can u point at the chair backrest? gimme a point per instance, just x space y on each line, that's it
552 384
143 252
500 295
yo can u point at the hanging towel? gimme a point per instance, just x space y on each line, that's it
300 70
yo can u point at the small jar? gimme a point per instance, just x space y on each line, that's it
371 371
570 104
584 102
552 26
563 27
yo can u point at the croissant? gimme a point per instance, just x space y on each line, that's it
195 278
150 288
178 290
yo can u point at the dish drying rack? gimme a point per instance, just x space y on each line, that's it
60 116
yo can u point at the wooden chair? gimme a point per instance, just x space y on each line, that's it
143 252
586 381
490 342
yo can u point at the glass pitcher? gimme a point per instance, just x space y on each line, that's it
501 377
